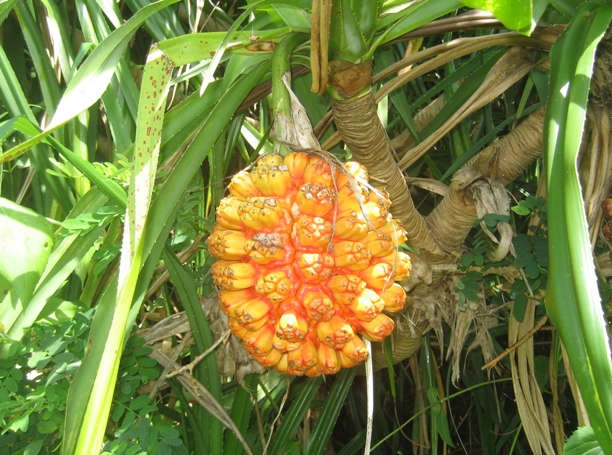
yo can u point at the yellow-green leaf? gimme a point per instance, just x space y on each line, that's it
515 15
26 240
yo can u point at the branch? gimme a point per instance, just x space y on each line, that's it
502 161
364 134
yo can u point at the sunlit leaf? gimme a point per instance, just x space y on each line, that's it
66 255
582 442
516 15
26 241
92 78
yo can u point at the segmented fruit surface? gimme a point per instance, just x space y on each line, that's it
307 262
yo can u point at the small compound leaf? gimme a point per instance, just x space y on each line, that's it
521 210
139 402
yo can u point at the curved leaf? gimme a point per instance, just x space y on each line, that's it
92 78
5 9
201 46
27 239
574 304
417 14
156 81
65 257
367 14
582 442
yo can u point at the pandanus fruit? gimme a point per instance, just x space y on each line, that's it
308 261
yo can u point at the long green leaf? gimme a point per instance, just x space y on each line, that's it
11 92
202 46
95 381
26 238
6 7
367 14
164 24
346 38
31 32
227 40
148 137
295 17
17 104
242 408
62 46
80 389
189 163
330 411
65 257
417 14
355 445
572 298
295 415
458 99
92 78
109 187
169 195
122 89
207 372
566 7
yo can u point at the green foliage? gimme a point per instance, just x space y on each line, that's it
527 206
136 422
27 238
347 40
531 254
517 15
35 377
582 442
469 288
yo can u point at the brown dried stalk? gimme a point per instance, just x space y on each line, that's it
505 73
202 396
